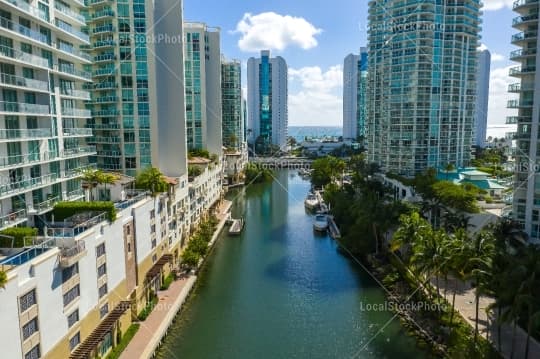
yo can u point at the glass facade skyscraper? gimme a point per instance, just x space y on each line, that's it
526 207
422 83
354 95
231 97
120 106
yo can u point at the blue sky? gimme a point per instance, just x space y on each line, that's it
314 38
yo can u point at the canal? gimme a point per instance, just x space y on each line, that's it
281 291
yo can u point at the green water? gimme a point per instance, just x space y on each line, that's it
281 291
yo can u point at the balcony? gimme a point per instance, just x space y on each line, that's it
71 255
43 207
519 103
23 30
79 35
106 99
524 19
77 151
70 70
27 184
108 57
81 94
101 139
23 57
24 108
104 126
518 70
520 53
75 225
520 3
106 113
73 51
77 132
103 44
18 81
70 13
74 195
108 71
23 133
96 2
102 14
103 29
75 112
524 36
26 159
13 219
24 6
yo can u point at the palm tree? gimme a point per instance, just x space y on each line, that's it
478 266
456 262
92 178
108 178
153 180
449 167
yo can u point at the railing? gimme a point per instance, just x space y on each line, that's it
27 184
78 193
23 56
520 19
523 2
34 11
76 93
104 43
69 252
67 28
20 107
67 11
73 51
524 35
45 205
134 197
17 160
12 218
104 99
75 112
105 113
77 132
104 28
102 13
521 70
105 57
6 134
13 80
23 30
68 152
71 229
105 72
72 71
105 126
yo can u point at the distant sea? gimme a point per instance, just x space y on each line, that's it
301 132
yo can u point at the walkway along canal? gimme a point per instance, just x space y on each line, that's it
279 290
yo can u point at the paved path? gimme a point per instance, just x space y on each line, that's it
465 304
149 335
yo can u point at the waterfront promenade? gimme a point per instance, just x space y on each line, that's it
154 328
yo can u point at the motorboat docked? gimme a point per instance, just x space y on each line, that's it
320 223
311 202
324 208
237 225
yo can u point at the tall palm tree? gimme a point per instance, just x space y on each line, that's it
456 262
92 178
412 229
478 266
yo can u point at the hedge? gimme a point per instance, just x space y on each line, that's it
63 210
20 234
119 348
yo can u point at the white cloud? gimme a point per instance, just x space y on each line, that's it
497 57
497 4
271 31
499 96
319 101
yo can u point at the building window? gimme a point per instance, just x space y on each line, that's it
30 328
102 270
71 295
34 353
69 272
100 250
103 310
102 290
73 318
27 300
74 341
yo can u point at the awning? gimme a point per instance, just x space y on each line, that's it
156 268
84 349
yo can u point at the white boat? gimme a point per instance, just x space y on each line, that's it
237 226
320 223
311 201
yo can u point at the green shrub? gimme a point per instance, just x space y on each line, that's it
63 210
21 234
130 333
148 308
194 171
167 282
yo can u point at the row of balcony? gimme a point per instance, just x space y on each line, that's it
18 55
20 81
33 158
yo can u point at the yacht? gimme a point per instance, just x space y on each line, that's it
320 223
311 202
